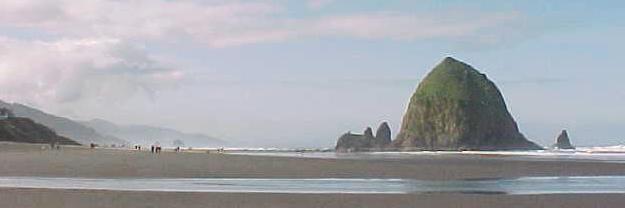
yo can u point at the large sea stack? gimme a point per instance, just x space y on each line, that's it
458 108
563 141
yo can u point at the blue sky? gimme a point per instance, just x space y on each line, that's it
301 73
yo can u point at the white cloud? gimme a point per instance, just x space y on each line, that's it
318 4
73 70
87 50
398 26
223 24
141 19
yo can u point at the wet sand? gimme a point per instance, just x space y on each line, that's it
30 160
26 198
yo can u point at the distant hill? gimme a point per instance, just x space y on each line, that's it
25 130
147 135
63 126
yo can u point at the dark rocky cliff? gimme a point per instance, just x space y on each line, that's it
458 108
25 130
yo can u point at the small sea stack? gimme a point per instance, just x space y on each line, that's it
563 141
350 142
382 135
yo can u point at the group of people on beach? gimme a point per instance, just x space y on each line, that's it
53 146
155 149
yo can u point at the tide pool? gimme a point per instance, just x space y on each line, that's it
514 186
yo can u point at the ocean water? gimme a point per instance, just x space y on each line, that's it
515 186
602 154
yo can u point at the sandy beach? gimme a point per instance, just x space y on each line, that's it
31 160
96 199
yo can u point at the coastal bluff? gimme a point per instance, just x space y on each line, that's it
455 107
25 130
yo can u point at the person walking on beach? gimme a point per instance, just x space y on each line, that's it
152 149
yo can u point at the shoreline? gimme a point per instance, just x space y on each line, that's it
30 160
504 186
73 162
27 198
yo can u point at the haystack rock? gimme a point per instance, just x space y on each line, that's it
458 108
563 141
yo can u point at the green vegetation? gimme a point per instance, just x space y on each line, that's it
25 130
456 80
457 107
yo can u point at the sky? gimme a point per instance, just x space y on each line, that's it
278 73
